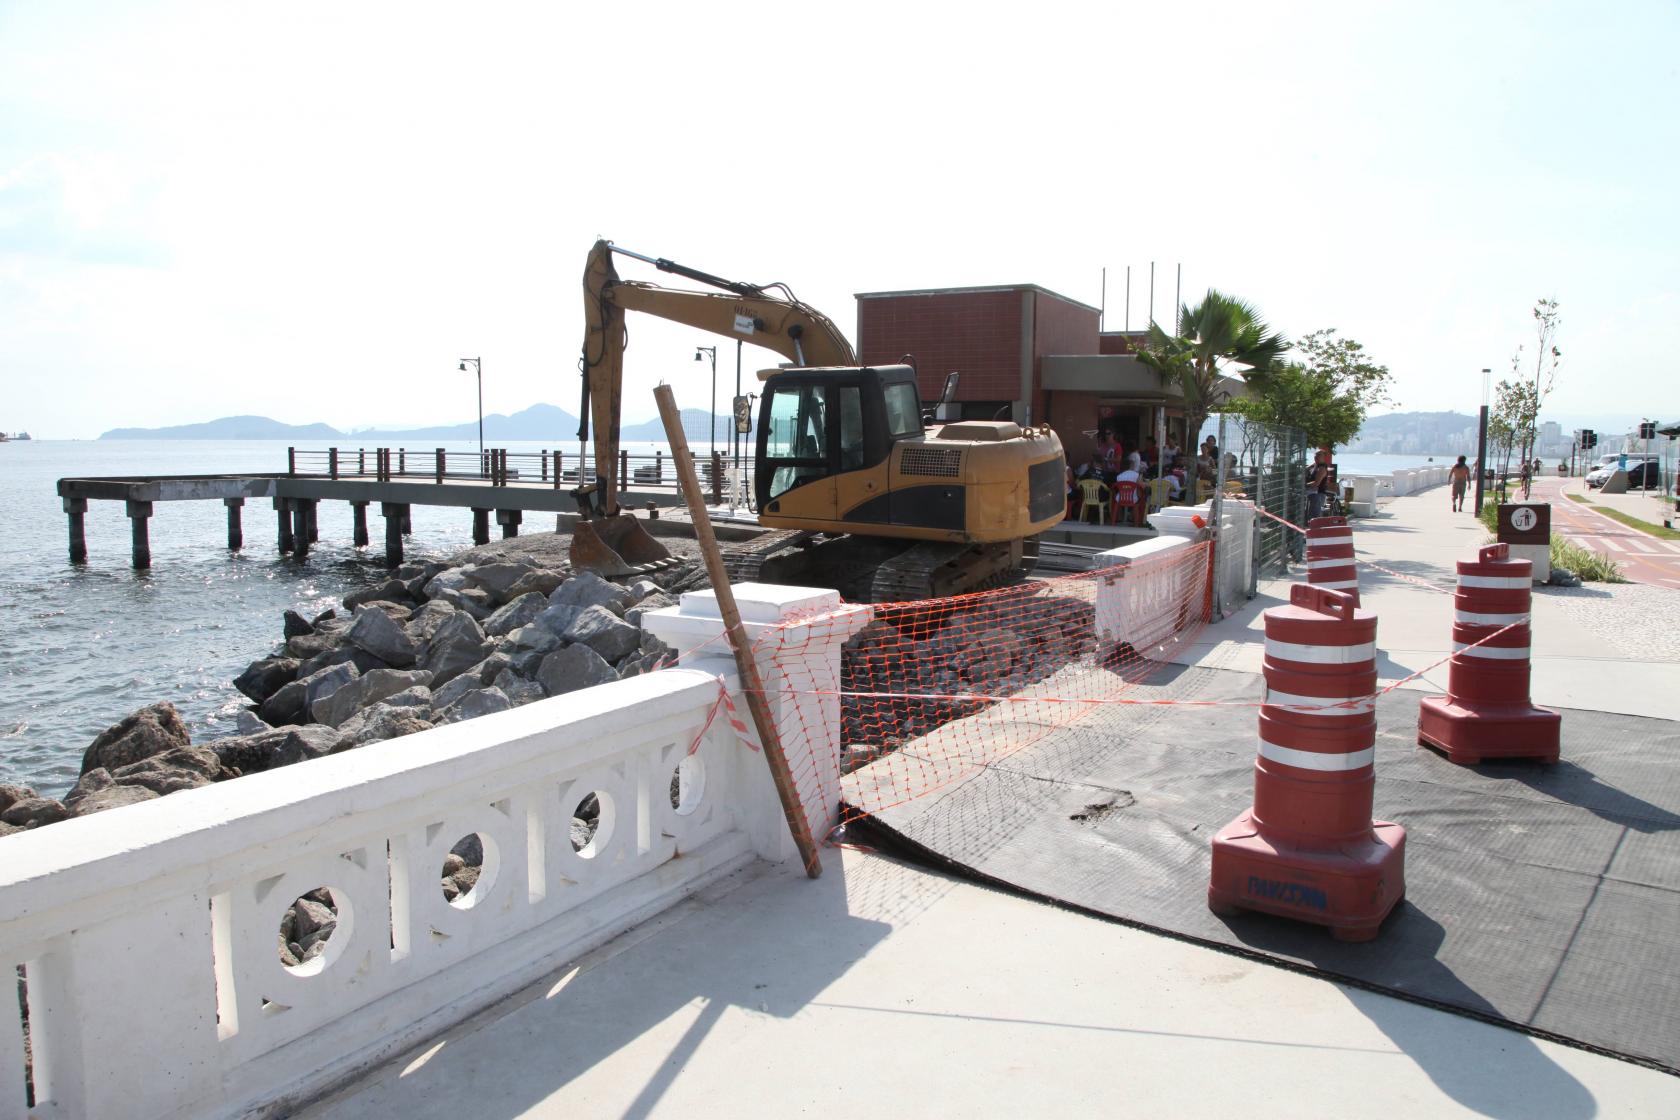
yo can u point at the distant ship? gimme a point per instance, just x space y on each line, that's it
23 435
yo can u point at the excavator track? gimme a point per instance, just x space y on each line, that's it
746 564
931 570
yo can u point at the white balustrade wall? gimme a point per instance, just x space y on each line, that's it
150 933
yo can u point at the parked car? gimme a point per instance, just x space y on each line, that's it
1636 465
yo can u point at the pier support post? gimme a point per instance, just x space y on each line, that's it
309 510
509 520
283 513
395 513
408 522
236 530
300 527
76 510
359 534
139 515
481 526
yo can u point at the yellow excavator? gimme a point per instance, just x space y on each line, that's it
864 496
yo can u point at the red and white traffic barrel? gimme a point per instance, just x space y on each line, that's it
1330 556
1308 848
1486 712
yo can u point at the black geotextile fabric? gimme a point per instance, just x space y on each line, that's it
1543 897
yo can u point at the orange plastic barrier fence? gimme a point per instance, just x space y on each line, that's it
933 691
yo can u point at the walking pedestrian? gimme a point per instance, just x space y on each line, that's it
1459 476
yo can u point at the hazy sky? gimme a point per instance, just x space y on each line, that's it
311 211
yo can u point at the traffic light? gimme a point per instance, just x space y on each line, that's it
1647 429
1589 439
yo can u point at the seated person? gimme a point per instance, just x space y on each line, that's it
1175 483
1133 471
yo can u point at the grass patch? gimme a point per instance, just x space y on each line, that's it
1662 532
1589 565
1578 498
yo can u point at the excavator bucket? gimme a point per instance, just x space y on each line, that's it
616 546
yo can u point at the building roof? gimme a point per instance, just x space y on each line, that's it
977 290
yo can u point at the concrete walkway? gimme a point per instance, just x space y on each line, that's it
1612 648
892 991
884 990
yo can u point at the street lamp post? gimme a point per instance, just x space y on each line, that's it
1481 442
712 350
733 427
478 368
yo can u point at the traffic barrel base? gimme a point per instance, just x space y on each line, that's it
1468 735
1350 888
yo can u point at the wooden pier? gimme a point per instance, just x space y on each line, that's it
393 479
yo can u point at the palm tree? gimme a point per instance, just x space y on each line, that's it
1221 331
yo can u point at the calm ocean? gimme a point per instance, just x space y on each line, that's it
81 647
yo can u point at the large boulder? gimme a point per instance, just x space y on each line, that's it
151 730
9 794
264 677
419 697
293 702
98 791
496 580
604 632
301 744
654 602
640 589
454 690
380 722
450 579
246 722
527 646
305 646
369 688
517 689
586 589
478 702
184 767
543 581
417 574
364 661
557 617
574 667
515 614
423 623
377 633
293 624
457 645
391 591
32 812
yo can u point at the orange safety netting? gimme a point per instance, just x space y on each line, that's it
931 692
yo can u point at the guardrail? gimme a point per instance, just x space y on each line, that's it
500 467
150 936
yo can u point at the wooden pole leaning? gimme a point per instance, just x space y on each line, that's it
751 683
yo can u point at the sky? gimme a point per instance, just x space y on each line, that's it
310 212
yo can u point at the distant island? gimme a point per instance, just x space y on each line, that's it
540 422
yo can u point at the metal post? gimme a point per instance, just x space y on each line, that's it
732 407
559 467
139 514
332 463
402 461
623 471
439 462
291 460
1218 526
717 479
236 531
76 510
1481 456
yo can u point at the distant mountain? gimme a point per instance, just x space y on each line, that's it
230 427
542 423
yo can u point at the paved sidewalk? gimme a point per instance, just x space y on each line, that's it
889 991
1605 647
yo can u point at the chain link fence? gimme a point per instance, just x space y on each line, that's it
1270 461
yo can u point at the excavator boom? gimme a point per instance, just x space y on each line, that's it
748 312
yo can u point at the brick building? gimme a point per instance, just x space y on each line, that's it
1028 354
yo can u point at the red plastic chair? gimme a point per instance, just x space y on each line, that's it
1128 497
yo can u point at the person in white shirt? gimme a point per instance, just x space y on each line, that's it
1131 473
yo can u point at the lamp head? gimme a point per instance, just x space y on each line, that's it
463 365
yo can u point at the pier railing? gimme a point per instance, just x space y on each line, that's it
150 937
499 467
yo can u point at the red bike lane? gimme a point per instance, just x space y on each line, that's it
1641 557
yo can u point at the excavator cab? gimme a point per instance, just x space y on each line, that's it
817 424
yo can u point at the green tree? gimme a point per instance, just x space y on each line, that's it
1218 335
1524 410
1326 394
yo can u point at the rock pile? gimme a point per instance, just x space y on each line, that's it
945 656
434 644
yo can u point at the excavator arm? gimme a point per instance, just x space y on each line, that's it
749 312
